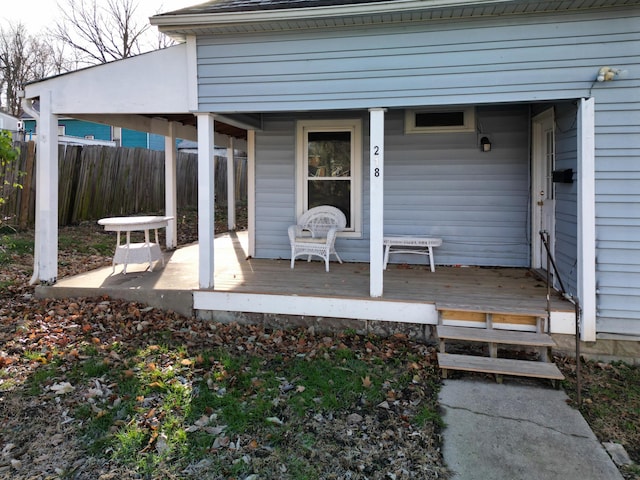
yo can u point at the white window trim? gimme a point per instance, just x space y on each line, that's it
355 127
469 120
62 130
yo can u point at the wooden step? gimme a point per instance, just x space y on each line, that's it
494 309
507 337
499 366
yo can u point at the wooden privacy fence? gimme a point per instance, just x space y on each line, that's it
100 181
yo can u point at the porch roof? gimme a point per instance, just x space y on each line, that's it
143 93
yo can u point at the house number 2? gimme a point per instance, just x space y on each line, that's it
376 152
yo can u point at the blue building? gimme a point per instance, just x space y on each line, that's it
72 131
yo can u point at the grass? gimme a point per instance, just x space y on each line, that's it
163 405
611 404
99 244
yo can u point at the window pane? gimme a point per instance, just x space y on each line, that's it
336 193
329 154
439 119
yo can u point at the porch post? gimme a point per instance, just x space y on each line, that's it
206 199
46 239
170 188
587 218
376 194
231 187
251 191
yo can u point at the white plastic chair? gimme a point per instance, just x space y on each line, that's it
315 233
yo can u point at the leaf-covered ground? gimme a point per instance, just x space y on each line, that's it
105 389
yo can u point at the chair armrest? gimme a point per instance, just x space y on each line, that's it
297 231
331 235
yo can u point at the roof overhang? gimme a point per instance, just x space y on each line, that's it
144 93
199 21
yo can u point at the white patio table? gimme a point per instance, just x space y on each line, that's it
410 244
128 252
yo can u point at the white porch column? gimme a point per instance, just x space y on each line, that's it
46 239
170 187
251 191
231 187
206 199
376 193
587 218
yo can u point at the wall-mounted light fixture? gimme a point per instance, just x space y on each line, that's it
606 74
485 144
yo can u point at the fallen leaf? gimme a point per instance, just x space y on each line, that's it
366 382
161 444
62 388
274 420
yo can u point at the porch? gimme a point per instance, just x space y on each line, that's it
411 292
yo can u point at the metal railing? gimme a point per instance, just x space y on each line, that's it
544 235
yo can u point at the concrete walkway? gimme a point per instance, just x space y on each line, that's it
518 431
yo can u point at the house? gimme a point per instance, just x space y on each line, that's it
82 132
8 122
482 123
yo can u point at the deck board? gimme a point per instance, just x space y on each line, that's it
502 289
499 366
495 336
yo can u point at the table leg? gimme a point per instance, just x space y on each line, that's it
158 243
113 262
148 247
386 255
126 255
433 267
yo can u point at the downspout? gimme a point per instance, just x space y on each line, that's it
28 108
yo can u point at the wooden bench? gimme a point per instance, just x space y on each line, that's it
410 244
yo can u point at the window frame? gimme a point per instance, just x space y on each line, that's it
352 125
469 123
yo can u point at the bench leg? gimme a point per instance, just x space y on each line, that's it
386 255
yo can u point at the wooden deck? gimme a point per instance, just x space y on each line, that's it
508 289
495 289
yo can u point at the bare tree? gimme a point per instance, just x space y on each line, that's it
99 31
23 58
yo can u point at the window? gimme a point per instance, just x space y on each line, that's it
329 160
440 120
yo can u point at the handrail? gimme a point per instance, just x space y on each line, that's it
544 235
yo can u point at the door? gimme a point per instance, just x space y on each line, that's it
543 192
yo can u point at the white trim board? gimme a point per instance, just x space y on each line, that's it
359 309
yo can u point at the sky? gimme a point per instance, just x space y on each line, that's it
38 14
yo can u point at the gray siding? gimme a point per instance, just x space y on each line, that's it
435 184
618 209
442 185
498 59
518 58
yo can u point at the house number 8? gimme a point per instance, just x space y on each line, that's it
376 172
